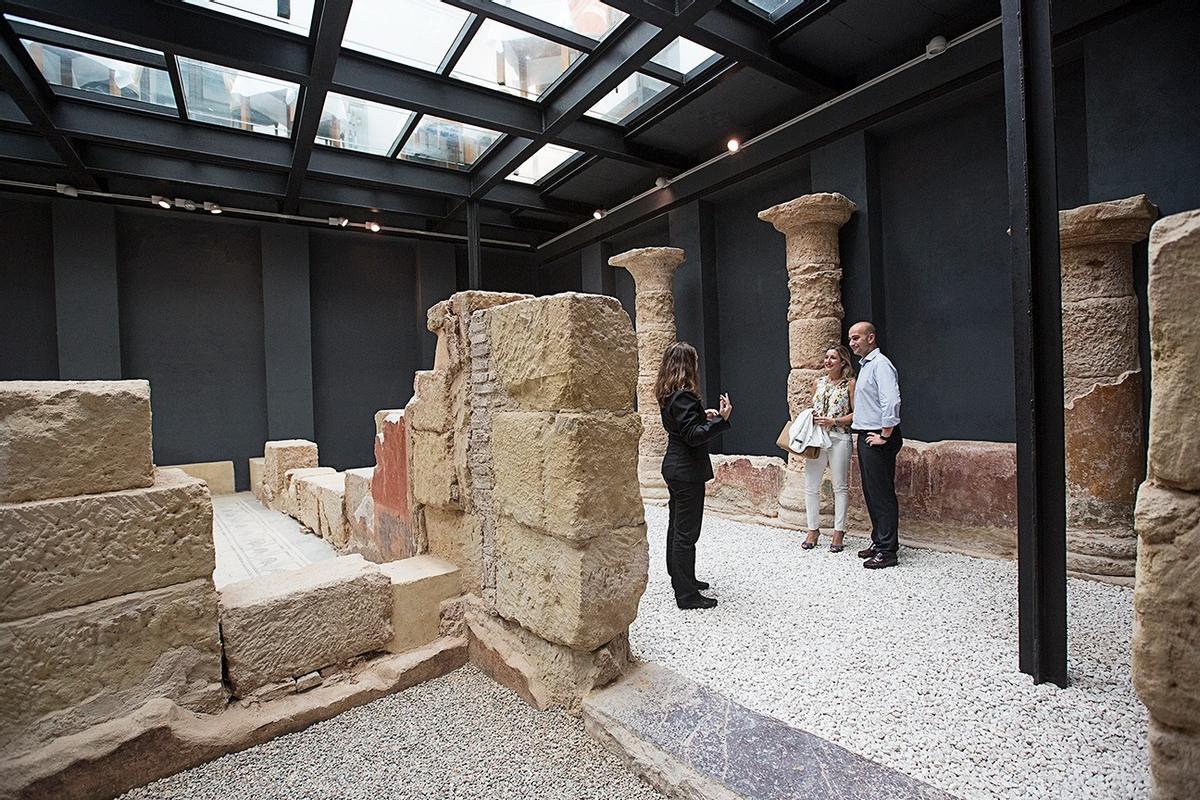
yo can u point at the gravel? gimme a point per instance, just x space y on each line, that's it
459 736
914 666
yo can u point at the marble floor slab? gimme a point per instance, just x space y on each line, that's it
252 540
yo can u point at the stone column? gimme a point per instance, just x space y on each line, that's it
1166 637
653 270
1102 382
810 224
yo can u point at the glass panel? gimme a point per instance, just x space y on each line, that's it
61 66
513 61
414 32
682 55
633 93
541 163
360 124
298 12
446 143
771 6
94 38
237 99
588 17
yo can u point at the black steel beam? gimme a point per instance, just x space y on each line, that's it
72 41
27 147
103 158
1037 340
474 251
362 197
527 23
327 29
801 17
657 110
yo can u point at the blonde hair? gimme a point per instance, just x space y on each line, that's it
679 369
844 357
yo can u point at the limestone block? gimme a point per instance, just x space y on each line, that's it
571 475
382 415
566 351
281 456
579 595
434 475
256 478
810 223
309 490
959 483
745 486
289 501
1175 349
65 438
359 508
419 586
651 305
1103 332
435 404
1166 604
331 508
800 384
288 624
815 295
456 537
65 671
653 341
217 474
1174 761
808 339
66 552
653 439
1102 478
1125 221
543 673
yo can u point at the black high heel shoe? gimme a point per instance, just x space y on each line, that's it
837 547
809 544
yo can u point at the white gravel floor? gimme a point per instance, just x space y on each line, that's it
459 736
913 666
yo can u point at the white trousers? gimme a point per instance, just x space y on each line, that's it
838 459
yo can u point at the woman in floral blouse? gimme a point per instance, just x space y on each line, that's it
833 407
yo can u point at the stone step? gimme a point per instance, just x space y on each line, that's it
419 585
689 741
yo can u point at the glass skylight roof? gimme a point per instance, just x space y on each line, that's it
237 99
47 26
683 55
771 6
64 67
414 32
633 93
361 125
590 18
541 163
446 143
502 57
265 12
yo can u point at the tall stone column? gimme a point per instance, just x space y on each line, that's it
1102 382
1166 636
653 270
810 224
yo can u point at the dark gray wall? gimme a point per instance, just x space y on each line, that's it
28 330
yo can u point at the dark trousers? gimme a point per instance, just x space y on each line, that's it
686 508
877 465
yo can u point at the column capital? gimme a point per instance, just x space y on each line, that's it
650 264
822 207
1114 222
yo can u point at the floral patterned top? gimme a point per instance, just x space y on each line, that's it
832 400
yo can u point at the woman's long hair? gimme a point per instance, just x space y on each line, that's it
843 353
680 369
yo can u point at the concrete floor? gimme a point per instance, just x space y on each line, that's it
252 540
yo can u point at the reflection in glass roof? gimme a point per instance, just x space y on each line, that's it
81 34
299 12
633 93
62 66
414 32
541 163
513 61
446 143
360 125
237 99
771 6
590 18
683 55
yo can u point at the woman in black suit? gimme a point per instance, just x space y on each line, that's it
686 465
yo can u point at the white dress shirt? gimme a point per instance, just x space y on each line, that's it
876 393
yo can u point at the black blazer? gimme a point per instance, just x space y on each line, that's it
688 433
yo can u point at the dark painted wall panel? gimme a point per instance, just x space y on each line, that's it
366 342
190 295
28 338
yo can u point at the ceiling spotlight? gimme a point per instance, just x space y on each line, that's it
662 182
67 189
373 226
212 208
160 201
937 45
338 222
733 145
598 213
190 205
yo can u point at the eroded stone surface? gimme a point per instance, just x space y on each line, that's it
257 466
392 532
280 457
456 537
745 487
289 501
66 438
288 624
419 587
70 551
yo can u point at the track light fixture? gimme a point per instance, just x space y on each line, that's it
937 45
212 208
190 205
662 182
733 145
598 213
373 226
160 201
66 189
338 222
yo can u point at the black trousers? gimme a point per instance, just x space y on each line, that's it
877 465
686 508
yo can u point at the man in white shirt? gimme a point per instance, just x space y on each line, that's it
877 423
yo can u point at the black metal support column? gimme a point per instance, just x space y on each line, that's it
597 276
474 252
1037 335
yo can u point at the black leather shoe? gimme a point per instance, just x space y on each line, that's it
696 601
881 560
868 553
702 585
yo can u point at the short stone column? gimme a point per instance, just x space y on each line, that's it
653 271
1166 637
810 224
1102 383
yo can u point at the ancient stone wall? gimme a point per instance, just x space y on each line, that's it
1166 598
